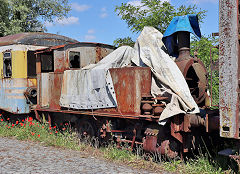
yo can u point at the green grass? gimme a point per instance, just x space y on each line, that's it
51 136
113 153
199 165
35 131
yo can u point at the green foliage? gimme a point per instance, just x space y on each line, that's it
123 41
201 165
29 15
153 13
112 153
35 131
202 47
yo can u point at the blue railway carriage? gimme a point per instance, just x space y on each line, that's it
18 68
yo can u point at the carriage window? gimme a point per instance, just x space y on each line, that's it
47 62
7 64
74 59
31 64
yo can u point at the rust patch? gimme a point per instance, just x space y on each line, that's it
55 82
130 84
195 74
98 54
229 68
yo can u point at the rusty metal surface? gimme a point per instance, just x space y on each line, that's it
55 85
35 38
49 90
43 88
49 84
130 84
90 53
236 158
60 60
43 50
126 82
78 44
229 68
98 53
152 144
195 74
102 114
177 126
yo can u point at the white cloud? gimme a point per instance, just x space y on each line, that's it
89 37
104 9
203 1
62 21
135 3
48 24
103 12
103 15
138 3
91 31
79 7
67 20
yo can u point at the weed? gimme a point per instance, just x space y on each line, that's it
30 129
64 137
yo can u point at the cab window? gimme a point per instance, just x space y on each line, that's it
47 63
31 64
74 59
7 64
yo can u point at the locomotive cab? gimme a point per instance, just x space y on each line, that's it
52 62
18 69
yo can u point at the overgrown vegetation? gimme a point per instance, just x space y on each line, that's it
31 130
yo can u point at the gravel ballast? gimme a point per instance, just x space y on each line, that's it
31 157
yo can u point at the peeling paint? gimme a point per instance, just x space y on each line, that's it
228 69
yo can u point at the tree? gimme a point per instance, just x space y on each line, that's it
123 41
155 13
29 15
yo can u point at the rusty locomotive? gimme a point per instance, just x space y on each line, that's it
134 120
38 85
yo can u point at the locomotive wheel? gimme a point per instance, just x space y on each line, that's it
86 128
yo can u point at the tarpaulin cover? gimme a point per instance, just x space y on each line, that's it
187 23
92 87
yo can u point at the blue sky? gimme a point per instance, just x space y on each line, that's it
96 21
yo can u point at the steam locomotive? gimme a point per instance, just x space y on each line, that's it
39 70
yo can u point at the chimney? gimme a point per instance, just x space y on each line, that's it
183 45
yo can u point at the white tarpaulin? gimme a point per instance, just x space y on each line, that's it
92 87
168 79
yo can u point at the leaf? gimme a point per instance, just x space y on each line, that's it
29 15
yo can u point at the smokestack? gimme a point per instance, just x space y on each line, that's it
183 45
